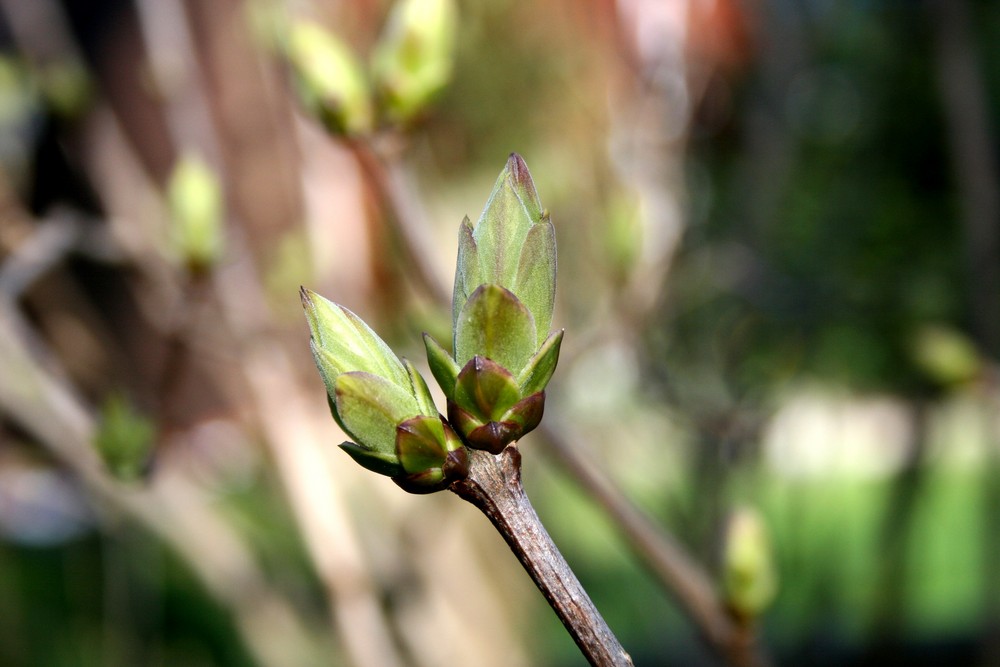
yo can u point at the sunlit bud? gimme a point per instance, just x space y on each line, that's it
330 80
381 402
945 355
194 197
503 352
749 579
414 56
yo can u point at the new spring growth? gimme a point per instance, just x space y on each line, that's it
748 574
382 403
194 198
330 80
504 353
413 58
124 439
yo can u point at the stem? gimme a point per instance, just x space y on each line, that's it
494 486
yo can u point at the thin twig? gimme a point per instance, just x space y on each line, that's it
494 487
971 141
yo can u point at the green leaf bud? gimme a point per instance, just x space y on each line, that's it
124 439
945 355
505 248
414 56
330 80
504 353
749 579
194 199
383 403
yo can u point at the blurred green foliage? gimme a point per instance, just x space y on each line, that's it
822 248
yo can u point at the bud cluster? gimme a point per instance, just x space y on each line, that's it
503 352
410 65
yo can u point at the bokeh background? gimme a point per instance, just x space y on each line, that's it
779 252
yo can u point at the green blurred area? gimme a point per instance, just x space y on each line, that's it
823 267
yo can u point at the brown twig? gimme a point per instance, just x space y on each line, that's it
494 487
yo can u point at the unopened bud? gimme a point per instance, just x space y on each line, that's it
194 197
330 79
749 579
414 56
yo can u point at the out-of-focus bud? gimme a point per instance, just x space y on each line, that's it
381 402
66 87
330 80
414 56
504 353
194 198
124 439
749 579
945 355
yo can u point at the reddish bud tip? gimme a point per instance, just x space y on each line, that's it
519 170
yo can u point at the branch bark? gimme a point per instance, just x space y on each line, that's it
494 486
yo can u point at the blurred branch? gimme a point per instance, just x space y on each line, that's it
46 247
658 550
295 447
405 209
37 398
302 461
972 140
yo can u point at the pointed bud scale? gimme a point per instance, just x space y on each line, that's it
383 464
418 446
370 407
443 367
493 437
495 325
526 413
431 453
345 343
538 372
